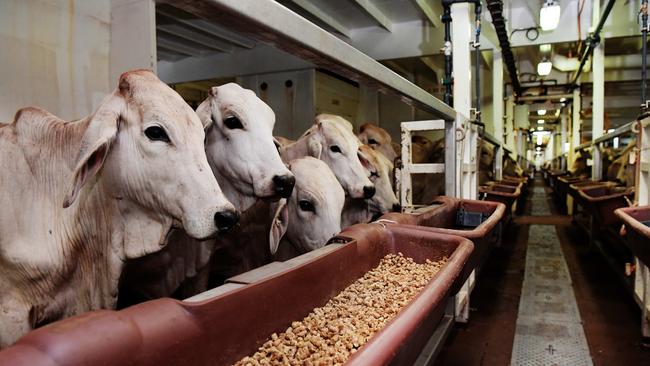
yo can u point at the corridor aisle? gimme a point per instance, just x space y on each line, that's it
549 329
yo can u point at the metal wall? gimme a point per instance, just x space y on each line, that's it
55 54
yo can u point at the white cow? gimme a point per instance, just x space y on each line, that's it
312 215
378 139
246 162
380 171
79 198
331 141
303 222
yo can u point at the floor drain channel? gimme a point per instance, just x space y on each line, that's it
549 330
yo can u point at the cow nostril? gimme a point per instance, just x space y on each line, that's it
397 207
283 185
225 220
368 191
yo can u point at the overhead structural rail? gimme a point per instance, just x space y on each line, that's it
491 139
622 130
593 40
496 11
270 22
616 133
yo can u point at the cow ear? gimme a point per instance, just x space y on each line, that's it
314 146
204 110
279 225
95 144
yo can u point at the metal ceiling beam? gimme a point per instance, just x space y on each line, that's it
180 32
375 13
429 12
270 22
177 47
323 17
209 28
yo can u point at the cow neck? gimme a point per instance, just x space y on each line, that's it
240 200
295 150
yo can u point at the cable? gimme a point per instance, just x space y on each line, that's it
529 31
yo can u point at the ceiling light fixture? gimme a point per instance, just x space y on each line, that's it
544 67
540 128
545 47
540 121
541 112
549 15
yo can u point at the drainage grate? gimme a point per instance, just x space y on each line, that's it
549 330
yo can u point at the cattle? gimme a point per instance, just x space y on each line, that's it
380 171
330 140
579 166
85 196
511 167
290 226
312 215
621 170
485 163
427 186
242 155
378 139
283 141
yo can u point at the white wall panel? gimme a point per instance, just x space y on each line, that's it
55 54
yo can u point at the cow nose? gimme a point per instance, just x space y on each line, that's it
283 185
225 220
368 191
397 207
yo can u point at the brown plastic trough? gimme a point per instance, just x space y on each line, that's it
503 194
601 201
223 329
478 221
637 224
562 188
574 189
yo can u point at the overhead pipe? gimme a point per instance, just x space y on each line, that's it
644 56
477 61
593 40
496 11
446 19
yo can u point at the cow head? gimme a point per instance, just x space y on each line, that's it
148 144
380 171
331 141
378 139
312 215
240 144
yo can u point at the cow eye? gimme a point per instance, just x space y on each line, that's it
233 123
156 133
335 149
372 142
306 206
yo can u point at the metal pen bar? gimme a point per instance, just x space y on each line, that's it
270 22
616 133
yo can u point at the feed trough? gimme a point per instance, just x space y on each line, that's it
223 329
478 221
601 201
637 230
503 194
562 188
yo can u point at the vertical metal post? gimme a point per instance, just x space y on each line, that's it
497 110
598 106
447 81
462 91
644 50
575 125
563 138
